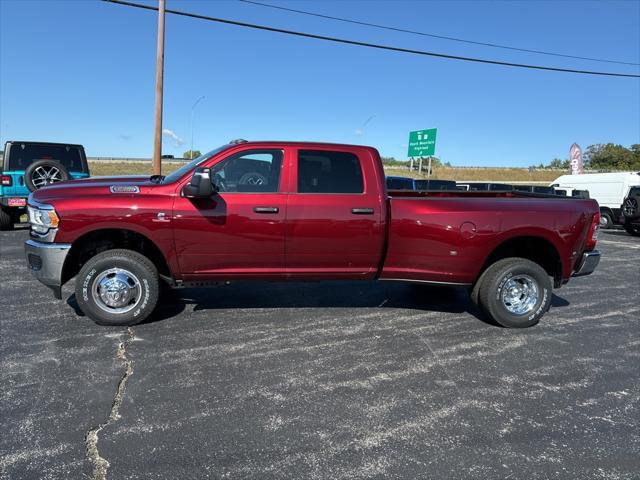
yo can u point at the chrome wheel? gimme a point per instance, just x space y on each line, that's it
116 291
45 175
519 294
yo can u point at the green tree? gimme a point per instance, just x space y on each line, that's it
612 157
559 163
189 154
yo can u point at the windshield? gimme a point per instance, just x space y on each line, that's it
177 174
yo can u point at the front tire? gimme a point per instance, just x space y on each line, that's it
515 292
117 287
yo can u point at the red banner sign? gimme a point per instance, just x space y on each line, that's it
575 159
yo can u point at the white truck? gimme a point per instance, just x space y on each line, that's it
609 189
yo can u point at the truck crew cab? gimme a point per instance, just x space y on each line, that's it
282 211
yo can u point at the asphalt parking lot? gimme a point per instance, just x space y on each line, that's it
323 380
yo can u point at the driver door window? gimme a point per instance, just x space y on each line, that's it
254 171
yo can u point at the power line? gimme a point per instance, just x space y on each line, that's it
424 34
371 45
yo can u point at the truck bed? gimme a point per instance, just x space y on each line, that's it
446 236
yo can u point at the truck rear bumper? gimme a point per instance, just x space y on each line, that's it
588 263
46 260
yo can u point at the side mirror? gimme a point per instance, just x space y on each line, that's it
200 184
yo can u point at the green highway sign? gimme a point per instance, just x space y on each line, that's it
422 143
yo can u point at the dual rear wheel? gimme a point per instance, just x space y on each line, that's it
514 292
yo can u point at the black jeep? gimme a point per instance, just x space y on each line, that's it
631 212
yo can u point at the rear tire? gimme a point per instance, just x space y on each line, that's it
606 222
515 292
6 220
117 287
633 229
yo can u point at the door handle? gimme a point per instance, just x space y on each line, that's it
362 211
266 209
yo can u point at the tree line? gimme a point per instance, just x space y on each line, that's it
608 156
605 157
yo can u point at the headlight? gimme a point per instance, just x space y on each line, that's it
42 218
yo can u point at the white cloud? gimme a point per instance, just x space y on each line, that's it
171 134
359 132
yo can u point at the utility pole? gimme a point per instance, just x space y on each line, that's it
157 144
192 110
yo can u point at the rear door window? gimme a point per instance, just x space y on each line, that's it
21 155
321 171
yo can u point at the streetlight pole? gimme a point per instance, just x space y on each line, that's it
192 113
157 143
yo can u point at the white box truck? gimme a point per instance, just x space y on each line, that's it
609 189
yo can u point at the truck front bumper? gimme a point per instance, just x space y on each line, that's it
46 260
588 263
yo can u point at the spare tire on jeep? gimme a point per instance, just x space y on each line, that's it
44 172
631 212
631 206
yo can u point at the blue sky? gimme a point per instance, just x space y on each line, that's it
84 71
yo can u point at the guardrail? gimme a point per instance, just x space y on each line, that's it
134 160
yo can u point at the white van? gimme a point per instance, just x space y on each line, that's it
609 189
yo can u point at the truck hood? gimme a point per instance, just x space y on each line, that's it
91 186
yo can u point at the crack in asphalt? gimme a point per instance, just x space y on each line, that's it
92 454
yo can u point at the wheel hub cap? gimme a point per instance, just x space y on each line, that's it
116 290
45 175
520 294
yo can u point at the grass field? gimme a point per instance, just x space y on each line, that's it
100 168
481 174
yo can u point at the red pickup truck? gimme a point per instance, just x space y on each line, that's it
301 211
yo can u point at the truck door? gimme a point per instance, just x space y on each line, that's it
334 226
240 230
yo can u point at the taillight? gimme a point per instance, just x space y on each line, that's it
592 235
6 181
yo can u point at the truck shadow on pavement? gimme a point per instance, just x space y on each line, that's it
324 295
